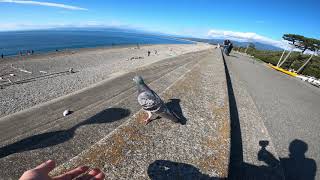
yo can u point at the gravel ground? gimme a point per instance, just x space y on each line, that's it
165 150
289 109
91 66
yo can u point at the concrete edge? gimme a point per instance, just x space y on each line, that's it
239 163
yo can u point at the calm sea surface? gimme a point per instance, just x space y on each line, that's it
50 40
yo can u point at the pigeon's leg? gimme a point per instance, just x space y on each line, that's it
148 118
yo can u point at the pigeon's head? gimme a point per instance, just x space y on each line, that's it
138 80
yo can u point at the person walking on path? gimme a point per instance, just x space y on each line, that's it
227 47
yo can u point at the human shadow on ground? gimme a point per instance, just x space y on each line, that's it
174 105
164 170
56 137
295 167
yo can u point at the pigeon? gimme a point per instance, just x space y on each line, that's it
152 103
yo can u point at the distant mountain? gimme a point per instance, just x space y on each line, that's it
258 45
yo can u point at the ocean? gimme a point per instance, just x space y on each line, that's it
41 41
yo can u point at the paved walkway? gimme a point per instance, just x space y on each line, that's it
288 110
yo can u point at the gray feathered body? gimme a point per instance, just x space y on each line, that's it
150 101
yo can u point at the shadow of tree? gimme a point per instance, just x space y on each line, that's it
167 170
174 106
56 137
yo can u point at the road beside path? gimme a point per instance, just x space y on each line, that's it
288 108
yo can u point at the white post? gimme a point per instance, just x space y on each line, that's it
281 57
301 68
285 58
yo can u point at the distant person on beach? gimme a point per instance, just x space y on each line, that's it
41 172
2 56
149 53
32 51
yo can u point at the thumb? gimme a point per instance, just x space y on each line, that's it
47 166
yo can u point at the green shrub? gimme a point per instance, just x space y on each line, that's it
294 61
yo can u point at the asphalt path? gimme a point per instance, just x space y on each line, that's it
32 136
290 110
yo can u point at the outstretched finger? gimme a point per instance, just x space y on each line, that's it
72 174
47 166
92 175
99 176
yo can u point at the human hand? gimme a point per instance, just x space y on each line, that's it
41 172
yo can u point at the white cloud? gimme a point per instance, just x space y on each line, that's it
64 6
246 37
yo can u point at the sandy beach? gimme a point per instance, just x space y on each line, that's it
28 81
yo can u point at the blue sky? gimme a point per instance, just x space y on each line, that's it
261 20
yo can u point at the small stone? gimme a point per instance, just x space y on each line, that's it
66 112
71 70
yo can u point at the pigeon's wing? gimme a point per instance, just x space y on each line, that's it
149 100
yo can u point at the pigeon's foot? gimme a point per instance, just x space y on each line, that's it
146 121
148 118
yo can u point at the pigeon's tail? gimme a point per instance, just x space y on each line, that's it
166 113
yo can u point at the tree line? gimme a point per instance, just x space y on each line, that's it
301 62
302 43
